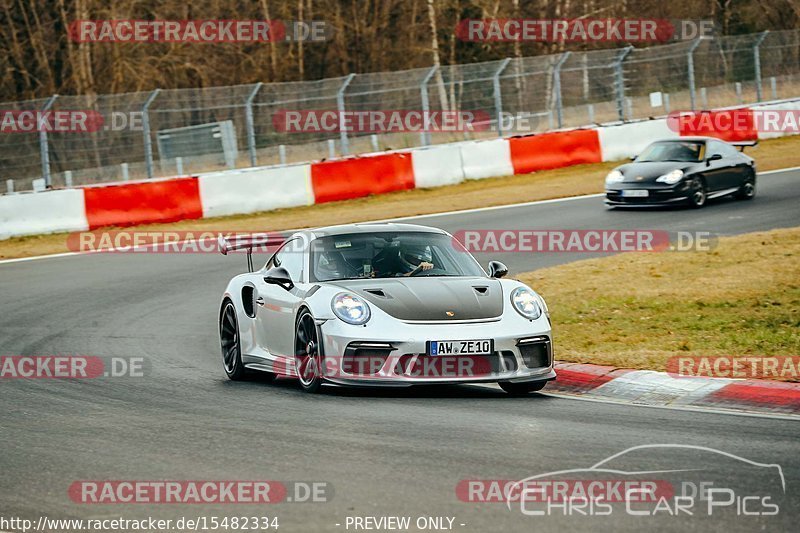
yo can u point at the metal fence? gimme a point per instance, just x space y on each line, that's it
187 131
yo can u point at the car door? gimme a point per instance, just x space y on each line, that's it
716 172
276 305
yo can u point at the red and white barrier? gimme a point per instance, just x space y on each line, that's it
255 189
627 140
144 202
546 151
437 165
486 159
267 188
355 177
42 212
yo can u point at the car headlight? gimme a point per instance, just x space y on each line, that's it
526 302
350 308
615 176
671 178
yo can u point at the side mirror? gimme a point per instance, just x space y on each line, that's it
715 157
633 157
497 269
279 276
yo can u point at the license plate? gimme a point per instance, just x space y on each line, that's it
635 193
479 347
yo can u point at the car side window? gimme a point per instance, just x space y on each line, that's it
728 150
715 147
290 256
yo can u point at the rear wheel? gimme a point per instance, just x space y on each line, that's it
308 356
748 189
697 193
520 389
229 342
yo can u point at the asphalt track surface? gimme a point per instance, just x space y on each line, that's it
385 452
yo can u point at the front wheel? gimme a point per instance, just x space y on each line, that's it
698 193
520 389
307 353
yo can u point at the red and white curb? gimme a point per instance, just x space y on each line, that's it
647 387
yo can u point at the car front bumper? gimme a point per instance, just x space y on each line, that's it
398 357
656 194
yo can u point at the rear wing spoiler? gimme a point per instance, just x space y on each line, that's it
741 145
260 242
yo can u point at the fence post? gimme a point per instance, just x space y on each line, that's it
498 98
340 108
44 149
248 118
619 81
425 136
557 87
757 62
690 72
148 142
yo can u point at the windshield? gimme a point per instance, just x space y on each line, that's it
682 151
389 255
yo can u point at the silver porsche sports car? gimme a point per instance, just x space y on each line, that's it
382 304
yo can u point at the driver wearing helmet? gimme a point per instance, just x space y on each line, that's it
406 260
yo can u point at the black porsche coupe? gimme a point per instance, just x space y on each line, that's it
685 170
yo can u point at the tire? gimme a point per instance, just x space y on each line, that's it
307 353
698 194
521 389
748 189
230 342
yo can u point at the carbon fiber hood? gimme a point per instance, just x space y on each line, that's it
648 171
434 298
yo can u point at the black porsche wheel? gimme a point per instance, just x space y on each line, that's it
308 357
698 194
520 389
748 189
229 341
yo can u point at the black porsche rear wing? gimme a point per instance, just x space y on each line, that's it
260 242
741 145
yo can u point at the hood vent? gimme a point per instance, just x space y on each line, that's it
376 292
481 290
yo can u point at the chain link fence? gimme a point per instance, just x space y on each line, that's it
186 131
